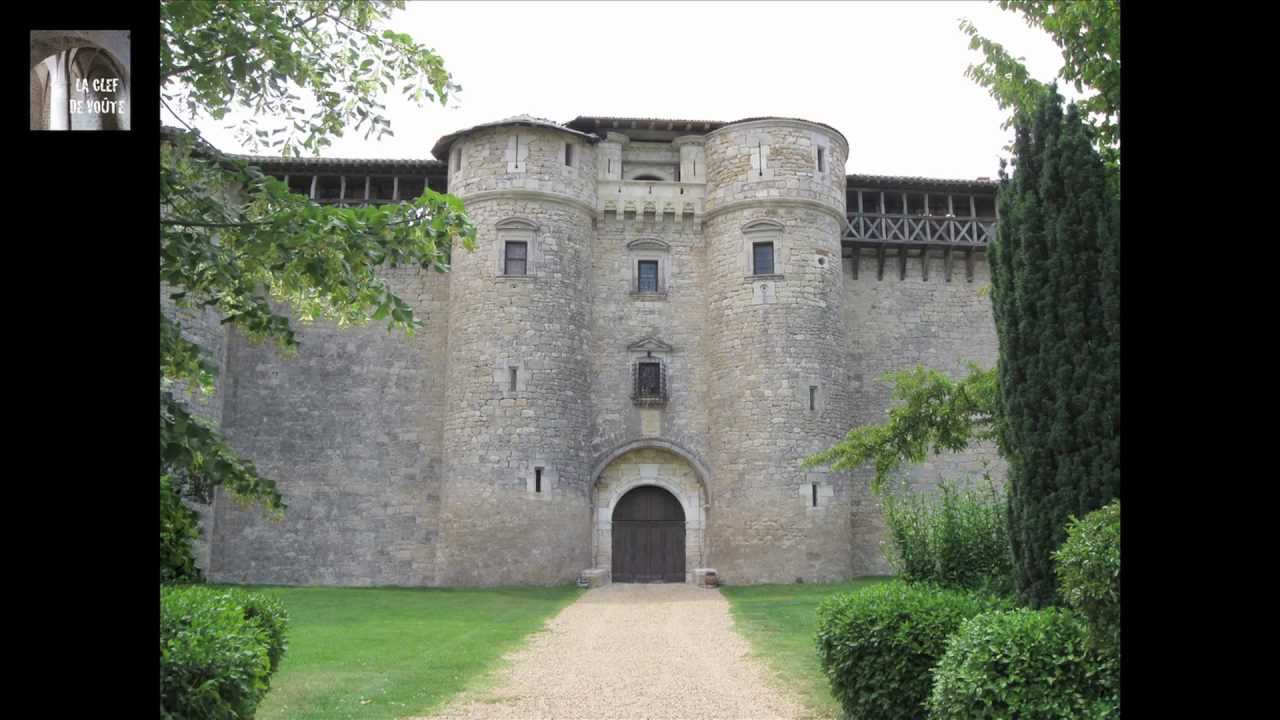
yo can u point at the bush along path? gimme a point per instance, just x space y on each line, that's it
634 651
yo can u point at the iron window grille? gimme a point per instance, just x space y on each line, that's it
649 383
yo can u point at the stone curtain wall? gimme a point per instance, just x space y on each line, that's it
349 428
769 340
204 328
495 528
893 325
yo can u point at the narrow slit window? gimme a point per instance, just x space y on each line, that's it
813 396
814 486
762 258
568 154
513 376
822 160
537 480
648 275
516 261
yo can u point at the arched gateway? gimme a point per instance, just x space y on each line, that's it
650 515
648 537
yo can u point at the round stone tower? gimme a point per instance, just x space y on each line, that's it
515 492
775 204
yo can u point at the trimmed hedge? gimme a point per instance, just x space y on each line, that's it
1026 664
1088 565
957 538
877 645
218 649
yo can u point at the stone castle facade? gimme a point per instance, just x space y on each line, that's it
690 306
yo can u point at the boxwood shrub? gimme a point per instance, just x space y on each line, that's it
877 645
1088 566
216 651
271 616
1027 664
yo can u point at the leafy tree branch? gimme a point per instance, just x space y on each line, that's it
932 413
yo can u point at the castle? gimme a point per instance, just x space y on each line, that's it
660 320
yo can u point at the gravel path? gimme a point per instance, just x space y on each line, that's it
633 651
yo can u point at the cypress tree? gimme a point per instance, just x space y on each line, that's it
1055 294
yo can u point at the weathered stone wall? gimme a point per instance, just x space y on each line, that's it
524 158
895 324
771 338
621 316
204 328
349 429
495 527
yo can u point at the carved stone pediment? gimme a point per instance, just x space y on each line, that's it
649 344
649 244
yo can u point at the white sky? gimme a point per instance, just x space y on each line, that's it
889 75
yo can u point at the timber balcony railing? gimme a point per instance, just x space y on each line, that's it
920 229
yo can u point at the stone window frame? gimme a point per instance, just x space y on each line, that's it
649 248
650 350
758 231
574 156
516 154
822 169
518 229
757 145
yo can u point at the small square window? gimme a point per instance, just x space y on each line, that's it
648 276
649 381
762 258
516 260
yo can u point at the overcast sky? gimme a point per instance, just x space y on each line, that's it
889 75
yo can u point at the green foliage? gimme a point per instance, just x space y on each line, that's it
1088 32
1089 574
269 613
958 538
313 68
179 527
1027 664
236 242
878 644
1055 298
216 651
933 413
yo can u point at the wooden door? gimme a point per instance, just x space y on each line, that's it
648 537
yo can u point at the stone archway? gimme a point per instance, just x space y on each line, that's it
653 466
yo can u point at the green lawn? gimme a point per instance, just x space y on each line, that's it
390 652
780 621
